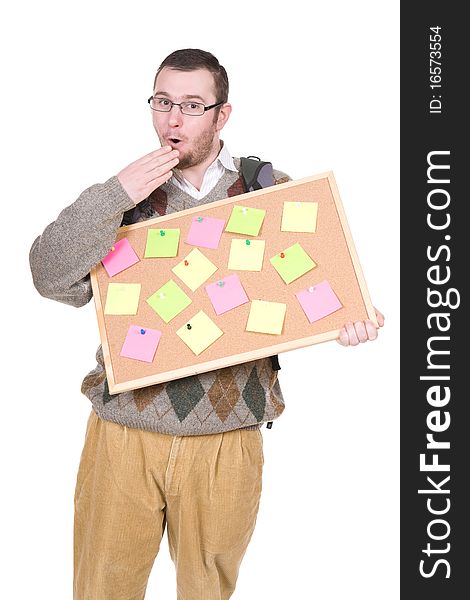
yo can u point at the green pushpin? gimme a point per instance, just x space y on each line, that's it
247 242
221 283
199 219
162 232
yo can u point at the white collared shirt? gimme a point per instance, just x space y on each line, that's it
214 172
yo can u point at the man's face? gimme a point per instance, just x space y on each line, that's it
194 136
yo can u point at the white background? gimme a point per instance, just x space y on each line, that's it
76 77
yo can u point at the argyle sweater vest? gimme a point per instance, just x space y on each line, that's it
240 396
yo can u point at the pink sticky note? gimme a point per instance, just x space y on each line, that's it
318 301
226 294
205 232
141 343
120 257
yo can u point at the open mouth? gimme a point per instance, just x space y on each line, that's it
174 141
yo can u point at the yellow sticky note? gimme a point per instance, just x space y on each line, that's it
122 299
199 332
195 269
300 217
266 317
246 255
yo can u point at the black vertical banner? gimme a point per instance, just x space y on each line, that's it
435 268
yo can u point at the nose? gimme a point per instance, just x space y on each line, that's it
175 116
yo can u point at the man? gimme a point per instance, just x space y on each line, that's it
186 454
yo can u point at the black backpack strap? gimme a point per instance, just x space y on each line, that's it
258 174
130 216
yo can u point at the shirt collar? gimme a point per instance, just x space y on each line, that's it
226 158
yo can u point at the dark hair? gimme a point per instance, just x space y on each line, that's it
191 59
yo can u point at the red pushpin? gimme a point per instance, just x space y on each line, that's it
283 255
186 263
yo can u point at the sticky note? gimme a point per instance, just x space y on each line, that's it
318 301
266 317
195 269
227 293
169 301
300 217
122 299
141 343
199 332
120 257
162 243
205 232
245 220
292 263
246 255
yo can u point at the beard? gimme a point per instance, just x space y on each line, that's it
201 148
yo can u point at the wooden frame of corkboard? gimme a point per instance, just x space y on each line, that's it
331 247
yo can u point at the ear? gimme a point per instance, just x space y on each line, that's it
224 114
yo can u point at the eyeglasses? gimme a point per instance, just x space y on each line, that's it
194 109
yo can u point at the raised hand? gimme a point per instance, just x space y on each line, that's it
144 175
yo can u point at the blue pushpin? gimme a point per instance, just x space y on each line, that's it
199 219
221 283
142 331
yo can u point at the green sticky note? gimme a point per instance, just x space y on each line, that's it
292 263
122 299
162 243
169 301
245 220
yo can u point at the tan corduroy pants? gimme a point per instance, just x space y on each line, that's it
132 483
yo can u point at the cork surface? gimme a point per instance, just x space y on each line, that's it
331 247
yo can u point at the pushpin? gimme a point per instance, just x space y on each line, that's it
199 219
247 242
162 232
162 295
142 331
283 255
244 211
311 289
113 249
221 283
188 326
186 263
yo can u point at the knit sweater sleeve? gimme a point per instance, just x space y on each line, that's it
281 177
62 256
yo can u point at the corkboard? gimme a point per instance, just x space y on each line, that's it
331 247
